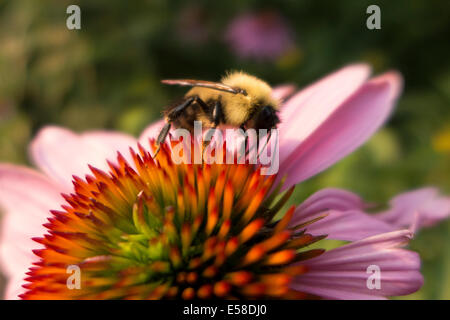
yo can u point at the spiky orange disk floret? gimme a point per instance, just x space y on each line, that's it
155 230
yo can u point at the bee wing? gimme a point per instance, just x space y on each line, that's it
206 84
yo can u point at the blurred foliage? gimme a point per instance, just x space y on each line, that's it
107 75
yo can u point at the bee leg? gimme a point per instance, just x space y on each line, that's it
162 137
176 112
216 118
217 114
173 114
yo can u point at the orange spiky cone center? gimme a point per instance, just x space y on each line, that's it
153 229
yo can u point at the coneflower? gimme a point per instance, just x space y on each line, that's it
154 229
141 229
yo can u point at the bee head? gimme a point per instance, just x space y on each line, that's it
266 118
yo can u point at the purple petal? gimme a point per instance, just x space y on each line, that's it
337 133
423 207
324 200
342 273
344 219
349 225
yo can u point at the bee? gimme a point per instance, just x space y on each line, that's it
239 100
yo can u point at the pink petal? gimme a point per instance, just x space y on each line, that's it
307 110
344 218
26 197
425 205
351 124
324 200
61 153
282 92
349 225
342 273
14 288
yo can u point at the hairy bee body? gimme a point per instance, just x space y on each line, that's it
237 109
240 100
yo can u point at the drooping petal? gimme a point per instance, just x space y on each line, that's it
308 109
344 272
349 225
344 218
351 124
61 153
26 197
425 205
324 200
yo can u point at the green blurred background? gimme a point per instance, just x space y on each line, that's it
107 75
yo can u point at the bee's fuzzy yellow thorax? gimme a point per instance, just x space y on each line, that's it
256 88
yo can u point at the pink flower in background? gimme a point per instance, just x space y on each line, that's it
193 25
320 125
262 35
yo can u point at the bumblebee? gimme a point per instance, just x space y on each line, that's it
239 100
